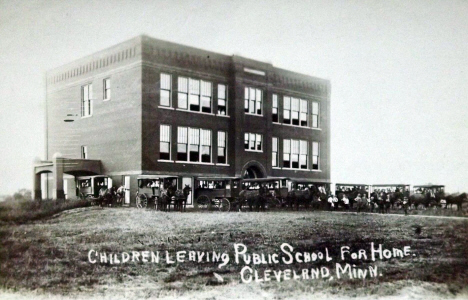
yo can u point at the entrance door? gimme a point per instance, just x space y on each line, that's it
127 190
188 181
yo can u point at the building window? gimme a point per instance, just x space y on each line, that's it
107 88
206 96
165 92
303 113
253 141
165 142
194 95
193 144
315 156
183 92
275 109
253 101
315 114
295 154
222 146
295 111
287 110
182 143
86 100
274 161
222 100
303 153
84 152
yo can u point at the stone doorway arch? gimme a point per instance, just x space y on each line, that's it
253 169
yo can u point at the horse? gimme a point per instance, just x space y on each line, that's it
180 198
456 199
299 197
423 200
106 196
164 201
318 198
252 198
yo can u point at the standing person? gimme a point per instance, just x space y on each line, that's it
346 202
365 201
405 205
359 201
335 202
330 202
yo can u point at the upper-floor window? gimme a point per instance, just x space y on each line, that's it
295 154
222 100
253 101
193 144
84 152
165 92
275 117
86 100
275 158
315 156
165 142
253 141
296 112
194 94
222 146
315 114
107 89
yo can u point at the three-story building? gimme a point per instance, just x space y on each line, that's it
147 107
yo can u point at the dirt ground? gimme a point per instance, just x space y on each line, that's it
49 259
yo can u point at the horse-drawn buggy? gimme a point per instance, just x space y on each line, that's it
98 190
307 193
426 196
347 193
220 193
89 186
160 192
264 193
389 196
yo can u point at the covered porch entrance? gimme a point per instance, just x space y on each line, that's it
55 171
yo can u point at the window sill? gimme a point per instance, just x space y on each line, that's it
195 112
293 169
105 100
297 126
259 151
165 160
223 116
223 165
255 115
193 163
85 117
166 107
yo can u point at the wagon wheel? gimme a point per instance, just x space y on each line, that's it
141 201
224 205
203 202
273 203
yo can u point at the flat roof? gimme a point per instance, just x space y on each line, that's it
354 184
156 176
217 178
399 184
428 185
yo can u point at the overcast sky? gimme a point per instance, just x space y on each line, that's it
398 70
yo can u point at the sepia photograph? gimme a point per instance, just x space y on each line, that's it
242 149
